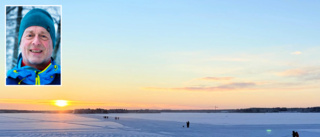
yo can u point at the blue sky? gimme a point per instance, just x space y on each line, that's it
139 52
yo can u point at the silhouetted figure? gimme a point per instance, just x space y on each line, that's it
293 134
188 124
104 117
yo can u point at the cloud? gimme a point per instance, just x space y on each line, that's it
296 53
246 86
292 72
230 59
46 102
26 101
217 78
225 87
309 73
238 85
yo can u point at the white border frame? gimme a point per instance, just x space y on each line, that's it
5 48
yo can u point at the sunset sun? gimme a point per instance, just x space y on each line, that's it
61 103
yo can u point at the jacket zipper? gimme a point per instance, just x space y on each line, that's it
37 79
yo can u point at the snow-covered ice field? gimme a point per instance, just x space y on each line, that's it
161 124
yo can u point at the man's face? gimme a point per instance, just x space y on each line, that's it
36 46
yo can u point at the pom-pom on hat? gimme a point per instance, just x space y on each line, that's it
38 17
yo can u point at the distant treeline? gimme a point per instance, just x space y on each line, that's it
34 111
105 111
278 109
247 110
99 110
20 111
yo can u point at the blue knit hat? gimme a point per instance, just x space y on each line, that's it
38 17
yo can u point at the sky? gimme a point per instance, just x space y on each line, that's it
180 54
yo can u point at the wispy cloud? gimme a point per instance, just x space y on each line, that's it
292 72
26 101
296 53
225 87
217 78
250 86
43 101
309 73
230 59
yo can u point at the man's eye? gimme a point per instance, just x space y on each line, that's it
44 37
29 36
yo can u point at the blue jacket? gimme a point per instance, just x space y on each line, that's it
27 75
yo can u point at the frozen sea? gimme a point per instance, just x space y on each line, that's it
160 124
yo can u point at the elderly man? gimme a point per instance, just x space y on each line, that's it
37 40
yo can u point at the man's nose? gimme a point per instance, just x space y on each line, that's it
36 41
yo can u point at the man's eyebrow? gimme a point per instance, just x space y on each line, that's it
29 31
44 32
41 32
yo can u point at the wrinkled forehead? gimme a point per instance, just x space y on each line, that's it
36 30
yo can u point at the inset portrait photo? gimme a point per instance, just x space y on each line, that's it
33 45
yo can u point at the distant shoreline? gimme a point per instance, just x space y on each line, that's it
107 111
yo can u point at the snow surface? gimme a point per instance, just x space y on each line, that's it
161 124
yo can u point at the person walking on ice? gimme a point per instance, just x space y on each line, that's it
188 124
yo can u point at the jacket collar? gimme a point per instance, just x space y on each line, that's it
33 76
